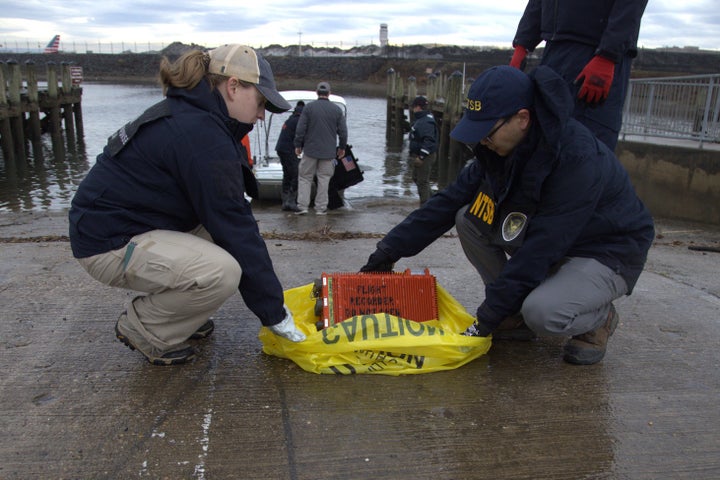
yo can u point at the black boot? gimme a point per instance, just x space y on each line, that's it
287 203
290 201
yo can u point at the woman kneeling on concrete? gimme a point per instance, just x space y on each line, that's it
164 211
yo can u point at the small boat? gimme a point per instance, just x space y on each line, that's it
266 163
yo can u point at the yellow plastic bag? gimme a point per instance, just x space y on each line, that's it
379 343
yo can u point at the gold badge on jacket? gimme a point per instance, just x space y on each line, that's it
513 225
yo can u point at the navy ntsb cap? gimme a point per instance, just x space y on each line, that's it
499 92
246 64
419 101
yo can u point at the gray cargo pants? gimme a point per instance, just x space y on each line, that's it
324 169
574 299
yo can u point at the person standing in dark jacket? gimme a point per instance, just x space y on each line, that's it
546 192
423 146
285 149
163 210
591 44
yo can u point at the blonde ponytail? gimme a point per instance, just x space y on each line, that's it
187 71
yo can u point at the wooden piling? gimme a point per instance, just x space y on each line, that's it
33 106
6 138
79 129
53 126
433 88
66 107
445 97
452 150
34 127
399 116
17 115
412 92
391 77
59 104
395 110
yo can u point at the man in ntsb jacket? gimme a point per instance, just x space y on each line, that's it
591 44
545 192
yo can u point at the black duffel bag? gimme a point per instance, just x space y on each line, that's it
347 173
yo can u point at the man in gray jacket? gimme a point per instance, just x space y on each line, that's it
321 137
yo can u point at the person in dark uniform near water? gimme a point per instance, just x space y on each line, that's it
285 148
423 146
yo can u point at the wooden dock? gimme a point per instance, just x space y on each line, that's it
22 102
445 97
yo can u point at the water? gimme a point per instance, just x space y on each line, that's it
49 185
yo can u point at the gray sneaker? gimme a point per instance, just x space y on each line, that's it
204 331
179 354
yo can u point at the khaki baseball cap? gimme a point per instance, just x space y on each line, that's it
246 64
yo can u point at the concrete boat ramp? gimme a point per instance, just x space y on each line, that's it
77 404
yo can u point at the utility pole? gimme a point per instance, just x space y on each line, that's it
299 44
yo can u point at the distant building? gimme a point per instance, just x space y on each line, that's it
383 35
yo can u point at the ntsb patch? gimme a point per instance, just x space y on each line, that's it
513 225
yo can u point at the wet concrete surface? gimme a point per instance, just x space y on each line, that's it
77 404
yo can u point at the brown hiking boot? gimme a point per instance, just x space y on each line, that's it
514 328
589 348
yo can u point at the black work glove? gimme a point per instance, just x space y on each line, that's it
478 329
485 322
379 261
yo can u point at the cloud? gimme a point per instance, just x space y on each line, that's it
347 23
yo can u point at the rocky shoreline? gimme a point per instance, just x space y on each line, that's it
360 71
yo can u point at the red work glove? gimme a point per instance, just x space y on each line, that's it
518 58
596 78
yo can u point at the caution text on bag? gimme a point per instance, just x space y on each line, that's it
377 343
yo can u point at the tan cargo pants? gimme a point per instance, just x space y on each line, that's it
185 278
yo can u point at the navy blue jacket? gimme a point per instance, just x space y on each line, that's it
611 26
286 139
423 134
578 197
176 173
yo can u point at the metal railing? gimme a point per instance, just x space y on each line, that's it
678 108
83 47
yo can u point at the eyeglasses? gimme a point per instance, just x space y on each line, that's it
488 138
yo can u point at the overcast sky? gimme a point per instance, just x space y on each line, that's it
348 23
